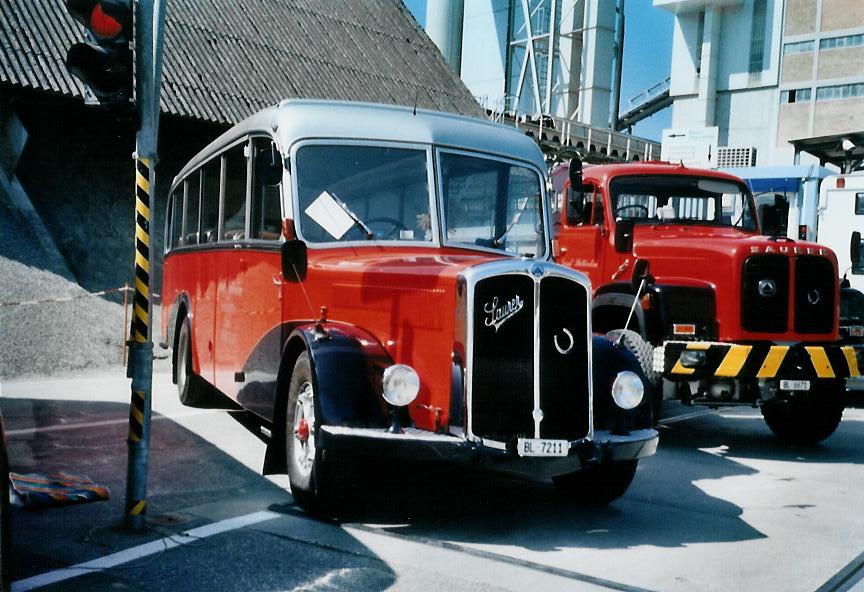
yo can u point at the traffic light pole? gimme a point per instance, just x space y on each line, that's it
149 27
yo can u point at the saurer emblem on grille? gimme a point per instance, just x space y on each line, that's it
498 314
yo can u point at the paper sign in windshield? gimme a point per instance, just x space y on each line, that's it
327 212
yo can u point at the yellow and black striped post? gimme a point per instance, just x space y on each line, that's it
140 353
149 33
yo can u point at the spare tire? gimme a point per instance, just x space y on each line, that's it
640 348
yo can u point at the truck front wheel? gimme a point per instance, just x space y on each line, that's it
808 420
600 484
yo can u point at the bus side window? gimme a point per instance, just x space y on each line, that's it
234 199
192 203
210 201
175 231
266 208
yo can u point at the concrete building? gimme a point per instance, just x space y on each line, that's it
768 79
555 62
532 57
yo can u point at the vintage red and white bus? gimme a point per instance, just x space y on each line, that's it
374 278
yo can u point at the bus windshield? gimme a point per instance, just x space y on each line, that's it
355 193
492 203
667 199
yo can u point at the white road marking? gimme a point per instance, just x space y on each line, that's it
121 557
96 424
687 416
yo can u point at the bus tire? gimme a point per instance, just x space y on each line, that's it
810 420
307 468
191 387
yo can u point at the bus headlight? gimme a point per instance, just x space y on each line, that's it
627 390
401 385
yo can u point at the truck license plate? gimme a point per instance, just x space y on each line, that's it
794 385
542 447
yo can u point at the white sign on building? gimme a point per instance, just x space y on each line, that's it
693 147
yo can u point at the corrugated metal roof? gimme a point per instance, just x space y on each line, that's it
226 59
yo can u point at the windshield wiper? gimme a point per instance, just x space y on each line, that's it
369 234
516 217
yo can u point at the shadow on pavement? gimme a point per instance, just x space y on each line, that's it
191 482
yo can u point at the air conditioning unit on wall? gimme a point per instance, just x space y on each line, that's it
735 156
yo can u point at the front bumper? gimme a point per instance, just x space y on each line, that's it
760 360
420 445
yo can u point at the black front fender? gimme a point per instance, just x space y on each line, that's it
608 360
347 366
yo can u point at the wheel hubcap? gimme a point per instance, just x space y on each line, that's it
304 436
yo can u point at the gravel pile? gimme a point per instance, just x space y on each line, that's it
42 339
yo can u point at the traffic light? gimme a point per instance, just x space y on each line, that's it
104 61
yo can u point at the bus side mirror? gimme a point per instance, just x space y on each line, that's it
624 235
294 261
575 195
855 252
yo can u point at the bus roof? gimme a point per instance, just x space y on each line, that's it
293 120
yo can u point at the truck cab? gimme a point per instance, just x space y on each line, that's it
730 316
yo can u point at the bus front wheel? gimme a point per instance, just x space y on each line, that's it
307 470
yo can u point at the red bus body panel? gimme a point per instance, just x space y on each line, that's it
405 297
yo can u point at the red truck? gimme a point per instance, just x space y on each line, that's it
726 316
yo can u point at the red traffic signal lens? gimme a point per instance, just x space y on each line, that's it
103 25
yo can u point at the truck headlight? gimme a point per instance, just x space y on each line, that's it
627 390
401 385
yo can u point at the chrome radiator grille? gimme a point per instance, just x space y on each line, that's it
528 352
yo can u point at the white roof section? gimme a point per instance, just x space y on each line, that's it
294 120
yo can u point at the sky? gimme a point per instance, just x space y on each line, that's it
647 55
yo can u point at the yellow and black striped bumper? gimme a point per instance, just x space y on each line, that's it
730 360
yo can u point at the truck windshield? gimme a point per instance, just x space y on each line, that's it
357 193
667 199
492 204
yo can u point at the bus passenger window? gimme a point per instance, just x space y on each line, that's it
192 224
234 213
175 232
210 201
266 207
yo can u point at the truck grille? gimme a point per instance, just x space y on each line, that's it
814 294
765 294
514 363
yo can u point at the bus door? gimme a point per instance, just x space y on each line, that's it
248 313
204 270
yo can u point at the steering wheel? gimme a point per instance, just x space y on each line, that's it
397 225
641 207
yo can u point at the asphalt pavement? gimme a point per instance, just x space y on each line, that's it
724 505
